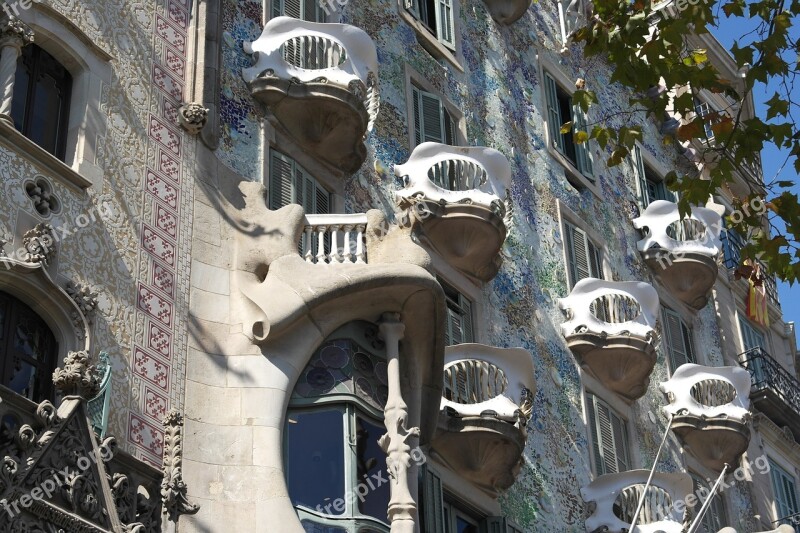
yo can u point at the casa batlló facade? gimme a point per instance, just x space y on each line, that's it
332 267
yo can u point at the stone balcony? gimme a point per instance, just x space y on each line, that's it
320 82
615 497
774 390
681 253
610 330
457 199
507 12
486 403
710 407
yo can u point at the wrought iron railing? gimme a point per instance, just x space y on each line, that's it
732 244
767 374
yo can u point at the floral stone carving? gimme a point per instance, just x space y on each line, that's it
77 376
173 488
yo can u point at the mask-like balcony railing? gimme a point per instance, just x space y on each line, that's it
507 11
334 239
710 407
457 198
681 253
486 403
320 81
573 15
616 497
610 330
774 391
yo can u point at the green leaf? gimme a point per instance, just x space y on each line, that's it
580 137
566 127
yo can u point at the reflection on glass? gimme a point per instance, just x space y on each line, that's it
28 339
313 527
315 460
462 526
371 470
23 379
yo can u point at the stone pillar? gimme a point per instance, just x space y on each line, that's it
398 440
14 34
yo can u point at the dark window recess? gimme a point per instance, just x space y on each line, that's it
40 105
27 350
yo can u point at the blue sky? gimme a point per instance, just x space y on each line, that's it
729 31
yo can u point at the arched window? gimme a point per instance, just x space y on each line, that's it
40 104
27 350
336 471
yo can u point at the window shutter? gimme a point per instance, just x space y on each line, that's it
277 8
413 7
641 179
280 180
715 515
751 337
432 501
494 524
312 11
783 485
289 8
554 119
449 128
596 453
582 152
609 437
467 327
678 339
444 20
455 326
620 443
577 254
431 118
595 259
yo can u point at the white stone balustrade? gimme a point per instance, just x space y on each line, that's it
780 529
623 490
611 308
697 233
451 174
709 392
344 55
480 378
572 15
334 239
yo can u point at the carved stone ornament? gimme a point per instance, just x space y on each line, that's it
14 32
41 193
192 117
173 488
83 296
39 244
77 376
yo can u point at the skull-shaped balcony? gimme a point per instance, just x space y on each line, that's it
682 253
507 12
609 329
615 498
457 203
710 410
486 403
320 83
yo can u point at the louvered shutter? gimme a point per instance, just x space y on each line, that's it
467 327
287 8
591 409
444 21
554 119
417 115
620 443
431 118
449 128
582 153
641 178
595 259
432 501
783 485
577 254
413 7
312 11
714 518
751 337
678 339
455 334
609 437
281 181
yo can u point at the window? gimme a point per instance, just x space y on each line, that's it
441 512
651 185
432 121
751 337
714 518
28 349
437 17
609 435
289 183
40 103
560 111
703 110
310 10
678 339
783 484
584 257
333 426
459 328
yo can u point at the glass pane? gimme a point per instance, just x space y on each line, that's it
31 339
315 460
23 378
3 313
20 97
313 527
463 526
371 469
46 120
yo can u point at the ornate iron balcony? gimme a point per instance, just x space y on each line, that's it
774 391
732 244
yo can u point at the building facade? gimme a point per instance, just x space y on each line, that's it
334 267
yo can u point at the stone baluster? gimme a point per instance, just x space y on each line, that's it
348 253
399 439
335 256
14 34
309 254
360 255
321 244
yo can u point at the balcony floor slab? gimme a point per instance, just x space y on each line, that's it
689 276
714 442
